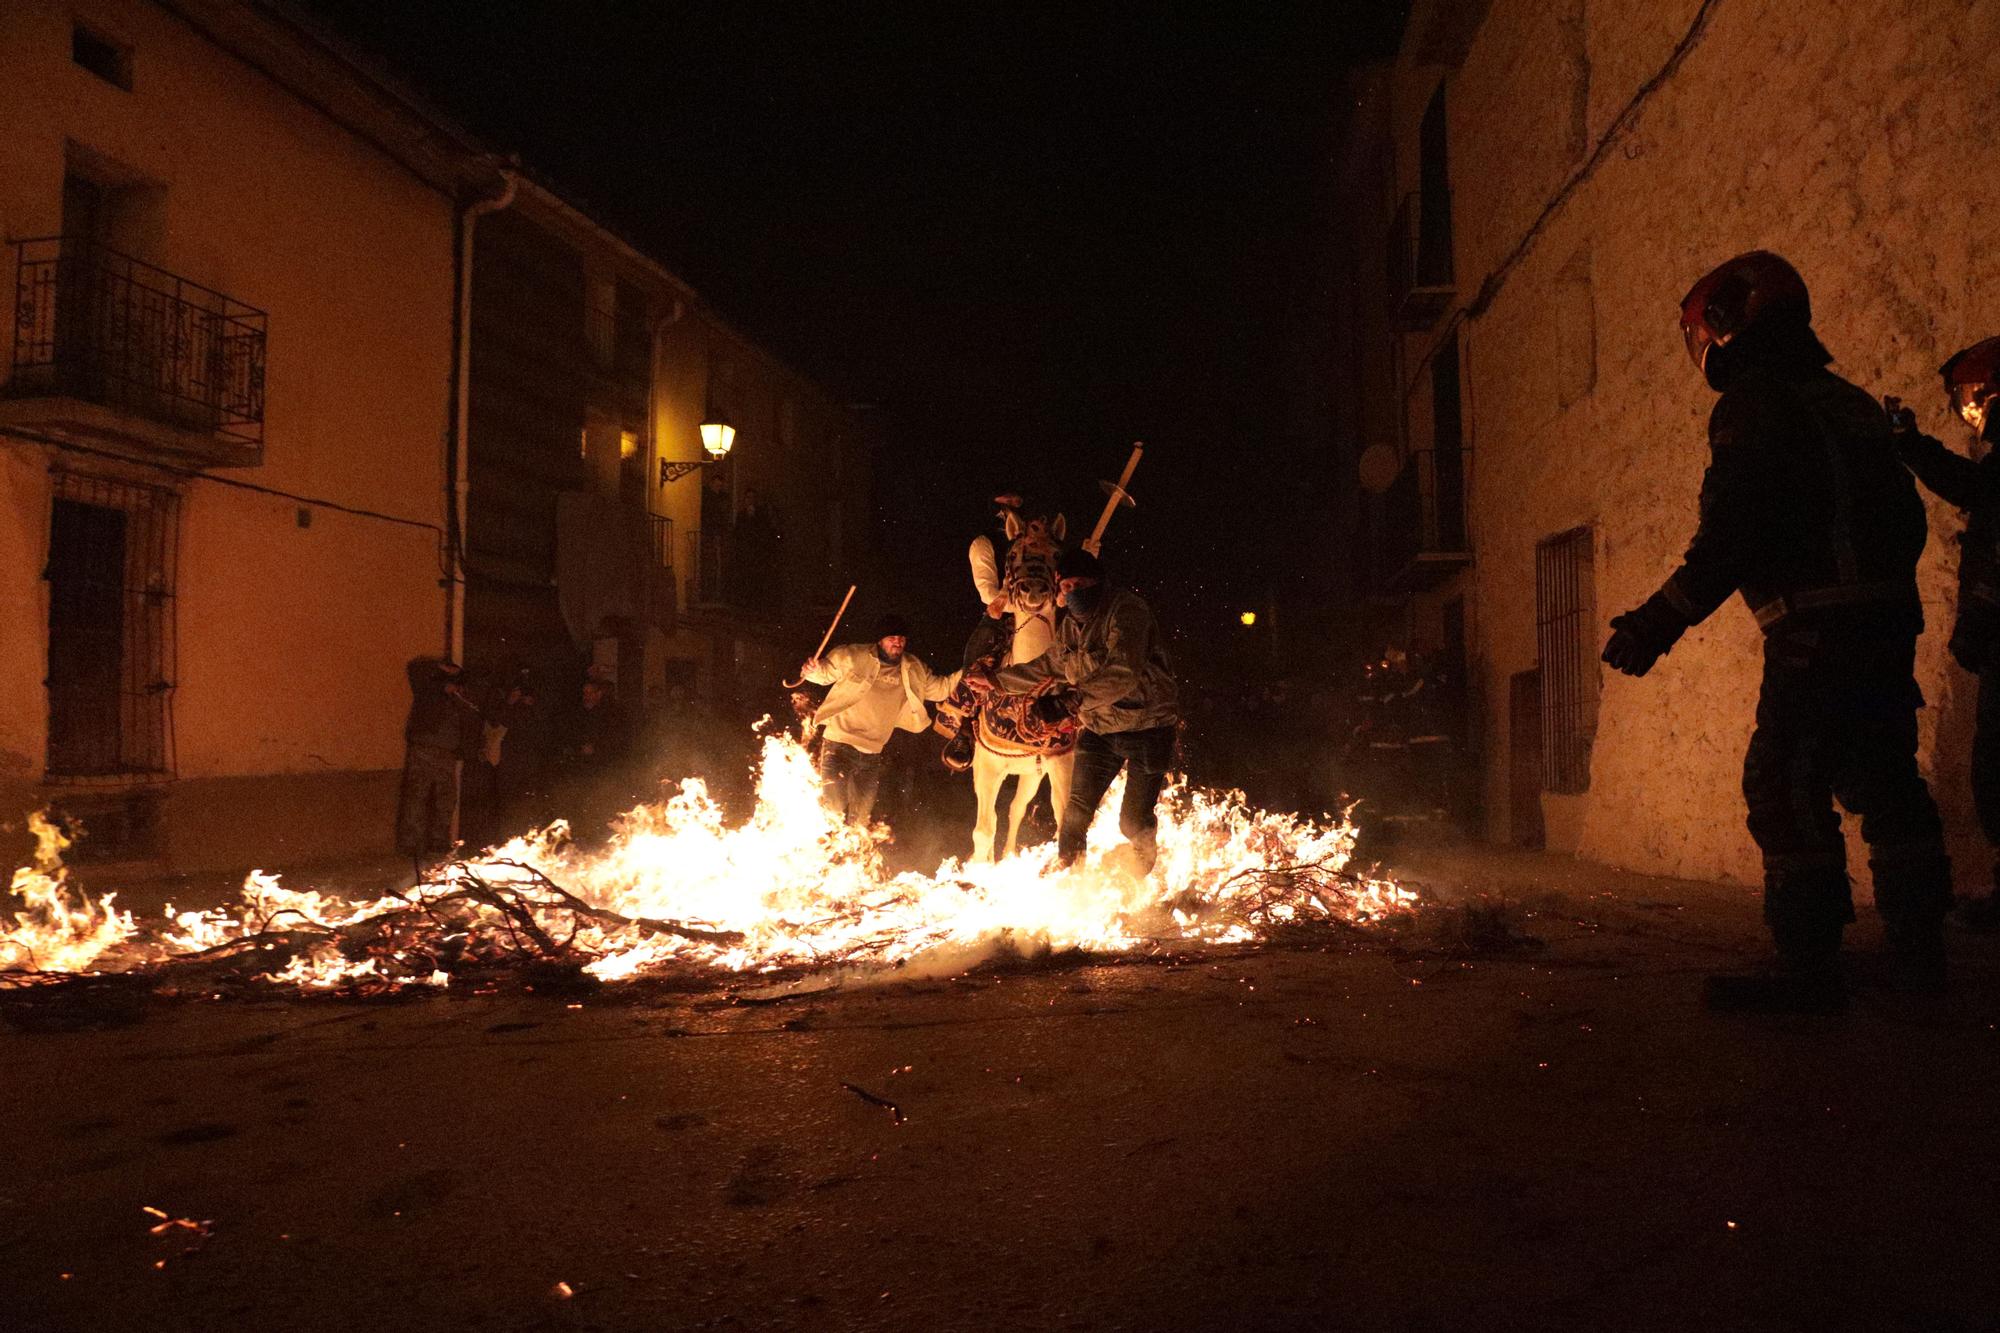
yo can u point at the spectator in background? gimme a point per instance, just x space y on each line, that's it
753 557
522 759
442 730
593 757
717 513
478 784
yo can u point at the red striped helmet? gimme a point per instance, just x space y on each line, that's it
1972 381
1747 290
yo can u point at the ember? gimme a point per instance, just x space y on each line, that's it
789 888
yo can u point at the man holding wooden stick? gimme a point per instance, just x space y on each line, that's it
874 689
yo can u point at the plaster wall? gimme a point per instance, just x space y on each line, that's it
801 452
292 637
1840 135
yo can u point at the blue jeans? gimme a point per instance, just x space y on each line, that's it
849 778
1144 755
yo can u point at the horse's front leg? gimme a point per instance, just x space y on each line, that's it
1026 784
986 779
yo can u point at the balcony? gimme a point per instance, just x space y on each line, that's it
662 589
1423 531
711 548
1421 288
116 353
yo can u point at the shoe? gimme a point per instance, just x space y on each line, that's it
1981 914
1778 989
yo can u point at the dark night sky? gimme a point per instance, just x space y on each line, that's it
1031 232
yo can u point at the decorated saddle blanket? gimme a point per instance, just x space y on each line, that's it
1011 724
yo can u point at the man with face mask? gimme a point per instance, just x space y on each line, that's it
874 689
1805 511
1109 666
1972 385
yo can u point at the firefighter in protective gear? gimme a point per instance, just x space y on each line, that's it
1972 386
1806 512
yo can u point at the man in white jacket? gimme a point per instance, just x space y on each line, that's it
874 689
989 578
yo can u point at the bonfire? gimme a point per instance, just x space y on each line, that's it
680 889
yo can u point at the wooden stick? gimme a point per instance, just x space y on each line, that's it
794 684
1114 496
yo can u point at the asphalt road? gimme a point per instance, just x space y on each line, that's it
1449 1132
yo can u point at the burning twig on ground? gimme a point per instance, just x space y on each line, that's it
680 890
185 1234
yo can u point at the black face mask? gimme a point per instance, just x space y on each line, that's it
1083 599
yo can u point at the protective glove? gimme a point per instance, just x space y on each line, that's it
1056 707
1910 443
1902 421
1643 635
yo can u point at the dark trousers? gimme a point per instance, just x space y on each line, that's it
427 801
849 778
1144 755
1986 752
1837 720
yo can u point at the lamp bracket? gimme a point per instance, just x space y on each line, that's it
674 471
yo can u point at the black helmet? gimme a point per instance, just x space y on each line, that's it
1972 382
1755 289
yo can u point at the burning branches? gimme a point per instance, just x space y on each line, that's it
58 930
679 888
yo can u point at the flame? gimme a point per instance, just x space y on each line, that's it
59 931
792 886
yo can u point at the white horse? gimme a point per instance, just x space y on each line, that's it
1030 587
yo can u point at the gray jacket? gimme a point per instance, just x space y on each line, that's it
1113 658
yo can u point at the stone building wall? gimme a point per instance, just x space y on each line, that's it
1849 136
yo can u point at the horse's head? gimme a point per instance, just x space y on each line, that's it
1030 579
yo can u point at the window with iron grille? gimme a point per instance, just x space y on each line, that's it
1565 613
112 550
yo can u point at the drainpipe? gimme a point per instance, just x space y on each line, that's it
458 461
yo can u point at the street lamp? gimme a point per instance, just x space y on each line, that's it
718 436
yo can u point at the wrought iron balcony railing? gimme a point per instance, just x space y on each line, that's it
662 583
99 326
1420 260
1424 537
